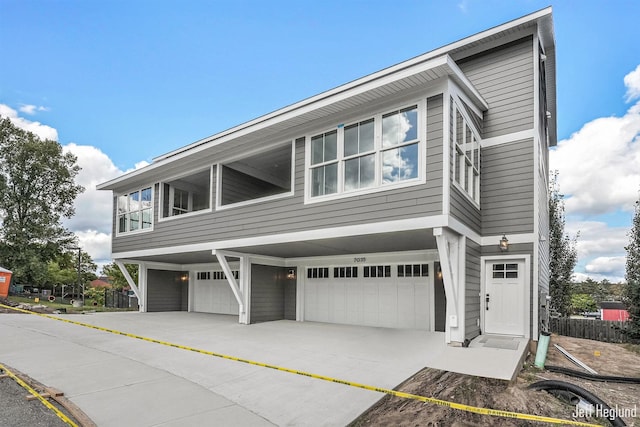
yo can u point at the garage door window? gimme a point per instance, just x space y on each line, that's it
413 270
204 275
318 273
345 272
219 275
377 271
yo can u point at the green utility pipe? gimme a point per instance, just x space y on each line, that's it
543 346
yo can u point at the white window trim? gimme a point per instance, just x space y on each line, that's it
221 207
378 150
188 214
117 216
457 103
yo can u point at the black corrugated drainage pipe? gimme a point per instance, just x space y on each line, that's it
593 377
586 395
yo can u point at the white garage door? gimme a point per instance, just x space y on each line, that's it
392 296
212 294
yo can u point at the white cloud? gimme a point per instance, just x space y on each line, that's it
600 247
607 265
599 174
31 109
600 268
96 244
92 221
632 82
598 165
93 207
43 131
598 239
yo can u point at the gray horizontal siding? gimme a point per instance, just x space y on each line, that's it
507 188
165 291
464 210
290 214
543 224
267 293
472 290
504 77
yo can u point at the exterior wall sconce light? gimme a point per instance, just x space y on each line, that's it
291 273
504 243
185 277
439 272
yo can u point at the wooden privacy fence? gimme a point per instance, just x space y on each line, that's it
591 329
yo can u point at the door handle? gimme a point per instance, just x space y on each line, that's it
486 300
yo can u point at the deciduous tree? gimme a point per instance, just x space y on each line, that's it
37 190
112 271
562 252
632 275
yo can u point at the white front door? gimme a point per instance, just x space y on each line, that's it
504 298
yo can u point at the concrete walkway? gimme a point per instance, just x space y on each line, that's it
121 381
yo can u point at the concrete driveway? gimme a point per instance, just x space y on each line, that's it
122 381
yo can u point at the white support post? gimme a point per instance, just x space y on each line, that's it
451 250
221 256
135 288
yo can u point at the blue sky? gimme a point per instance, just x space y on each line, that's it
120 82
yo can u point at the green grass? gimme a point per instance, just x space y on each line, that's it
66 305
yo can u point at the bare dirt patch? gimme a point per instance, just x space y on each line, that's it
605 358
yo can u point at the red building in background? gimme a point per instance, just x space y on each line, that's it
613 310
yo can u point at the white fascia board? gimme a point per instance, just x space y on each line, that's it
507 138
467 88
132 255
298 236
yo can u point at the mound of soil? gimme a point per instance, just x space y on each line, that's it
605 358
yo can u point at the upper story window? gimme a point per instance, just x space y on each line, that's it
135 211
367 155
191 193
466 162
324 161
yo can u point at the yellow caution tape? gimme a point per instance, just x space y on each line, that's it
44 401
452 405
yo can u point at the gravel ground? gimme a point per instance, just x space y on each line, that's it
17 411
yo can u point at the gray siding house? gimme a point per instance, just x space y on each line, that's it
414 197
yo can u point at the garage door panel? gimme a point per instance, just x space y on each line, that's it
214 296
406 305
338 294
388 304
354 303
380 297
370 294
